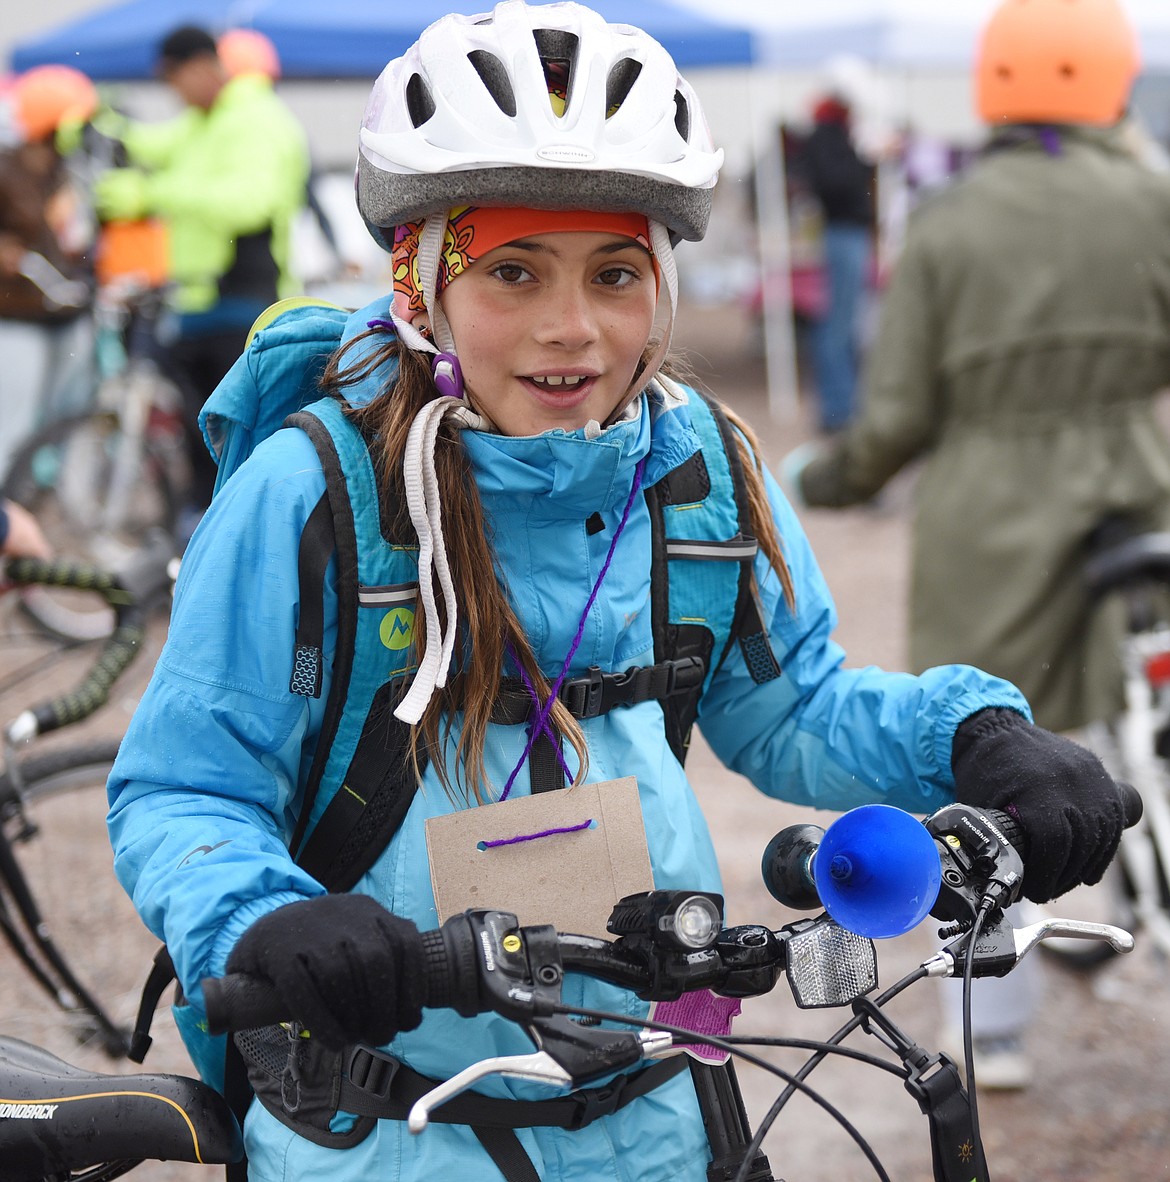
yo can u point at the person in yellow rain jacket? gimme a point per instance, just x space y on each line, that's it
227 176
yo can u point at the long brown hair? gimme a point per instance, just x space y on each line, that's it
488 625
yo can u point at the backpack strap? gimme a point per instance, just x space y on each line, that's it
338 507
702 588
363 751
748 628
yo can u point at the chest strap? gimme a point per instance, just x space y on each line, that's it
378 1085
597 693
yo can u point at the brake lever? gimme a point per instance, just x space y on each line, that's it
1001 947
588 1052
539 1067
1028 937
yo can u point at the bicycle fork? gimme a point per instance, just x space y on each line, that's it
67 991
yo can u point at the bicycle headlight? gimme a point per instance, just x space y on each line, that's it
694 923
684 920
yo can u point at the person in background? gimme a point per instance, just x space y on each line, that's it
20 534
248 51
842 183
227 176
1022 341
46 239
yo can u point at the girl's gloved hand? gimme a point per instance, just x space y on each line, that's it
350 970
1071 810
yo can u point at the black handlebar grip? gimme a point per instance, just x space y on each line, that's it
1131 803
241 1002
120 647
117 653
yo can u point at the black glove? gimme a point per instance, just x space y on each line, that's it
1068 805
350 970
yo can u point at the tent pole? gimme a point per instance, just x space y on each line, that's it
772 236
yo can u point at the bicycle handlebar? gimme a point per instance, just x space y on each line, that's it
668 943
119 649
484 960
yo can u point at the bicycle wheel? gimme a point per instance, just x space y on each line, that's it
58 841
98 496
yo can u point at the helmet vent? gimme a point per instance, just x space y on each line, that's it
682 117
557 51
419 104
494 77
619 83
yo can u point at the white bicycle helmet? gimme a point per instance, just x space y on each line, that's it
464 118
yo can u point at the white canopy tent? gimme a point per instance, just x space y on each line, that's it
918 50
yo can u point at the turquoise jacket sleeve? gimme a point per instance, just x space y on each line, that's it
828 736
203 790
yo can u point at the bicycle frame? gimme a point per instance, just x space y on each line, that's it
1144 847
21 921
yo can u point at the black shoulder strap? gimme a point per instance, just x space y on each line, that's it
344 539
687 483
748 628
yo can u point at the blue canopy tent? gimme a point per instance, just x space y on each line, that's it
354 39
337 39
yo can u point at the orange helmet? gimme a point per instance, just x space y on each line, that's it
1056 61
246 51
45 96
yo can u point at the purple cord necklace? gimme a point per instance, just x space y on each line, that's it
540 724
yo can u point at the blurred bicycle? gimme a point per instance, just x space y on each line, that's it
104 481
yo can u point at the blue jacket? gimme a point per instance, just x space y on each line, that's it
213 757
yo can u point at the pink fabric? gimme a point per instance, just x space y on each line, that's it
703 1012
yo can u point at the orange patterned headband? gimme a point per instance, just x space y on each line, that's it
473 230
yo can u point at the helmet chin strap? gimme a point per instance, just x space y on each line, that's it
664 253
430 249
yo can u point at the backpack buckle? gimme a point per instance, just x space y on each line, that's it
583 695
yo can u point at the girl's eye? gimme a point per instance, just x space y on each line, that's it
510 272
617 277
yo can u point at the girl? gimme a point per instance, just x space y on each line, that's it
528 170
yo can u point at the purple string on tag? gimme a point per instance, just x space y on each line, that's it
545 725
487 845
540 723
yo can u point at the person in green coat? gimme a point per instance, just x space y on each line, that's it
1023 339
228 176
1022 343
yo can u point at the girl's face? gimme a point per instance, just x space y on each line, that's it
550 329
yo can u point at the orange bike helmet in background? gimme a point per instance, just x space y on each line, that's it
245 51
1056 61
45 96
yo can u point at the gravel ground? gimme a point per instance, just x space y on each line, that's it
1097 1110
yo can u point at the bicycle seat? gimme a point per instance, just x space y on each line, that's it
56 1118
1143 556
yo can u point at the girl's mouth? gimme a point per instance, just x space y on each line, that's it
564 382
560 389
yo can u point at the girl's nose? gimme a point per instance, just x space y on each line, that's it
568 318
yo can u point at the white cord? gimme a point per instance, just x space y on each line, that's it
422 498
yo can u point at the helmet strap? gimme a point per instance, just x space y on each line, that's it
664 253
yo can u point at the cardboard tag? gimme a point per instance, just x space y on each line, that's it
590 853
